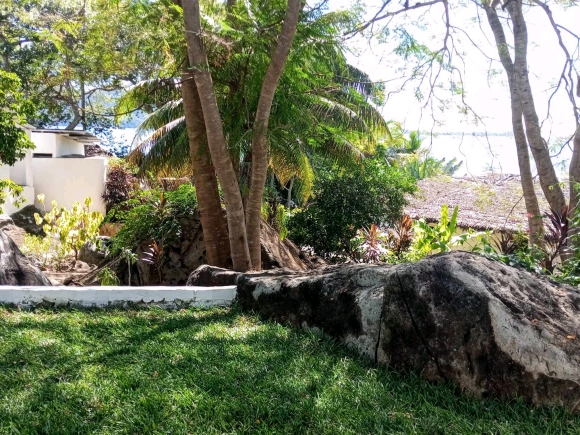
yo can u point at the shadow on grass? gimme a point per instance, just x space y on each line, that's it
220 371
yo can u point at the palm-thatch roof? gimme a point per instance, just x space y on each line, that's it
491 202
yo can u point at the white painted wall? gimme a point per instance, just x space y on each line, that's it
68 180
45 142
28 194
167 297
66 146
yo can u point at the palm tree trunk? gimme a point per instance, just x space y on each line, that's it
535 224
213 221
548 179
260 140
215 137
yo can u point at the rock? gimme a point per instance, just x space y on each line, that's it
491 329
95 253
5 221
15 233
211 276
182 256
278 253
15 268
81 267
24 218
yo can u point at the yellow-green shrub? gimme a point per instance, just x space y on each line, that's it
71 228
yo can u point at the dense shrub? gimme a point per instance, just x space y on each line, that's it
120 184
152 215
66 232
357 197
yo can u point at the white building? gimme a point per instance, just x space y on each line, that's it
58 168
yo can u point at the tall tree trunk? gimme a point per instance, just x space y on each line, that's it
548 179
574 169
83 106
535 224
289 197
213 221
574 172
215 137
260 128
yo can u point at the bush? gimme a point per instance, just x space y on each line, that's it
120 184
152 216
359 196
66 231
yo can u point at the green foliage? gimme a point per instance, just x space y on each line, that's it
518 253
371 246
407 154
357 197
120 183
71 229
152 216
39 249
107 277
324 111
438 237
202 372
10 188
71 54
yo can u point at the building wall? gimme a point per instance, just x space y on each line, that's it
21 171
28 194
45 143
66 147
68 180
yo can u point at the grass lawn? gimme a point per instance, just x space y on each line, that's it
220 371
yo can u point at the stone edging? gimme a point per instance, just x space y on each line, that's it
102 296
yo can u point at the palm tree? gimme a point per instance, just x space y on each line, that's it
323 108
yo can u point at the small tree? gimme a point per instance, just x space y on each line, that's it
361 195
73 228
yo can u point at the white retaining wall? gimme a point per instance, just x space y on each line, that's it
102 296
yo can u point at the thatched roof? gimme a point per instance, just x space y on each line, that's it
97 151
491 202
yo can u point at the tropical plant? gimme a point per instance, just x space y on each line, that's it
107 277
372 245
152 218
321 105
509 243
438 237
556 239
71 229
416 161
400 235
353 198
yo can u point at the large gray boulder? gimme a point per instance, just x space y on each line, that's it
94 253
211 276
491 329
15 268
24 218
5 221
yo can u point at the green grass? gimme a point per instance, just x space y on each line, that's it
220 371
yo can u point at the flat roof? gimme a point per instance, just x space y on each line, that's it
76 135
